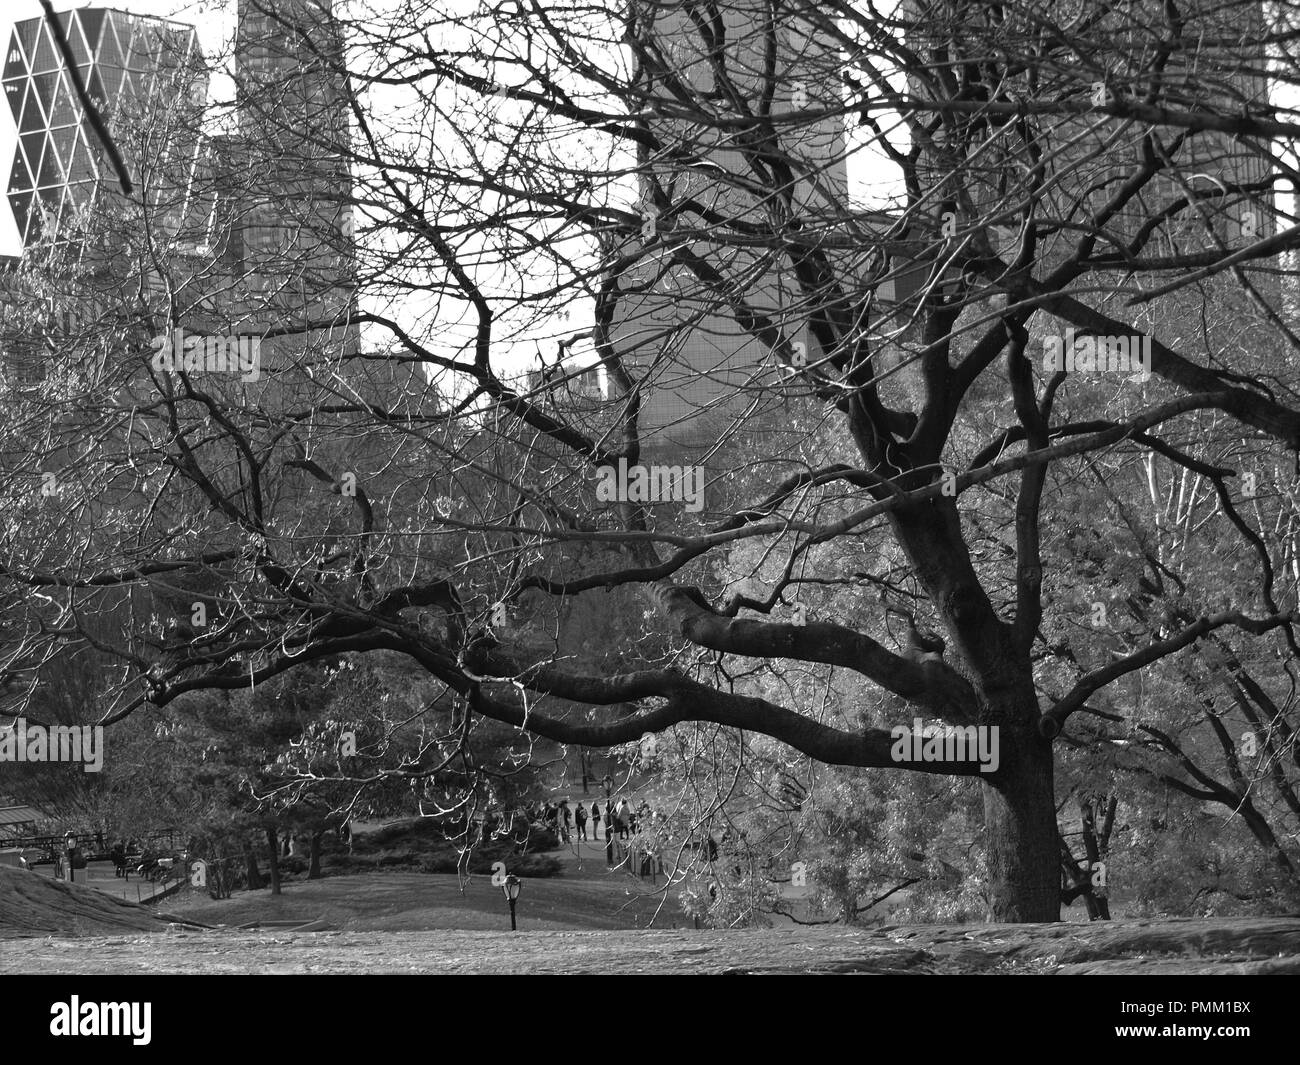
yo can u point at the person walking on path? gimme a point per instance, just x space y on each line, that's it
580 819
566 819
595 822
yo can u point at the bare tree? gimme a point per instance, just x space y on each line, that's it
842 329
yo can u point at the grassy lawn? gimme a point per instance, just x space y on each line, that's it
402 901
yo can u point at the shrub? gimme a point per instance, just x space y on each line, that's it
534 839
294 865
423 844
534 865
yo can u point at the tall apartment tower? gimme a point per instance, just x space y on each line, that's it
295 242
705 374
293 115
1088 156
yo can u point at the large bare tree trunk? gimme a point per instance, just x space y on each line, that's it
1023 859
1263 833
1020 824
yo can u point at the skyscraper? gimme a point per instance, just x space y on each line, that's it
124 60
1110 195
703 373
293 237
1214 64
291 106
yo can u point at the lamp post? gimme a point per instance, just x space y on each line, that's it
511 888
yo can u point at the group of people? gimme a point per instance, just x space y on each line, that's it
569 821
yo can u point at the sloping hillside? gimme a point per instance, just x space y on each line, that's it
34 905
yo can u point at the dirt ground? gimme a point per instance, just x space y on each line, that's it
416 923
1244 946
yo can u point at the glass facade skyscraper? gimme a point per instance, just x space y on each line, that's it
125 61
